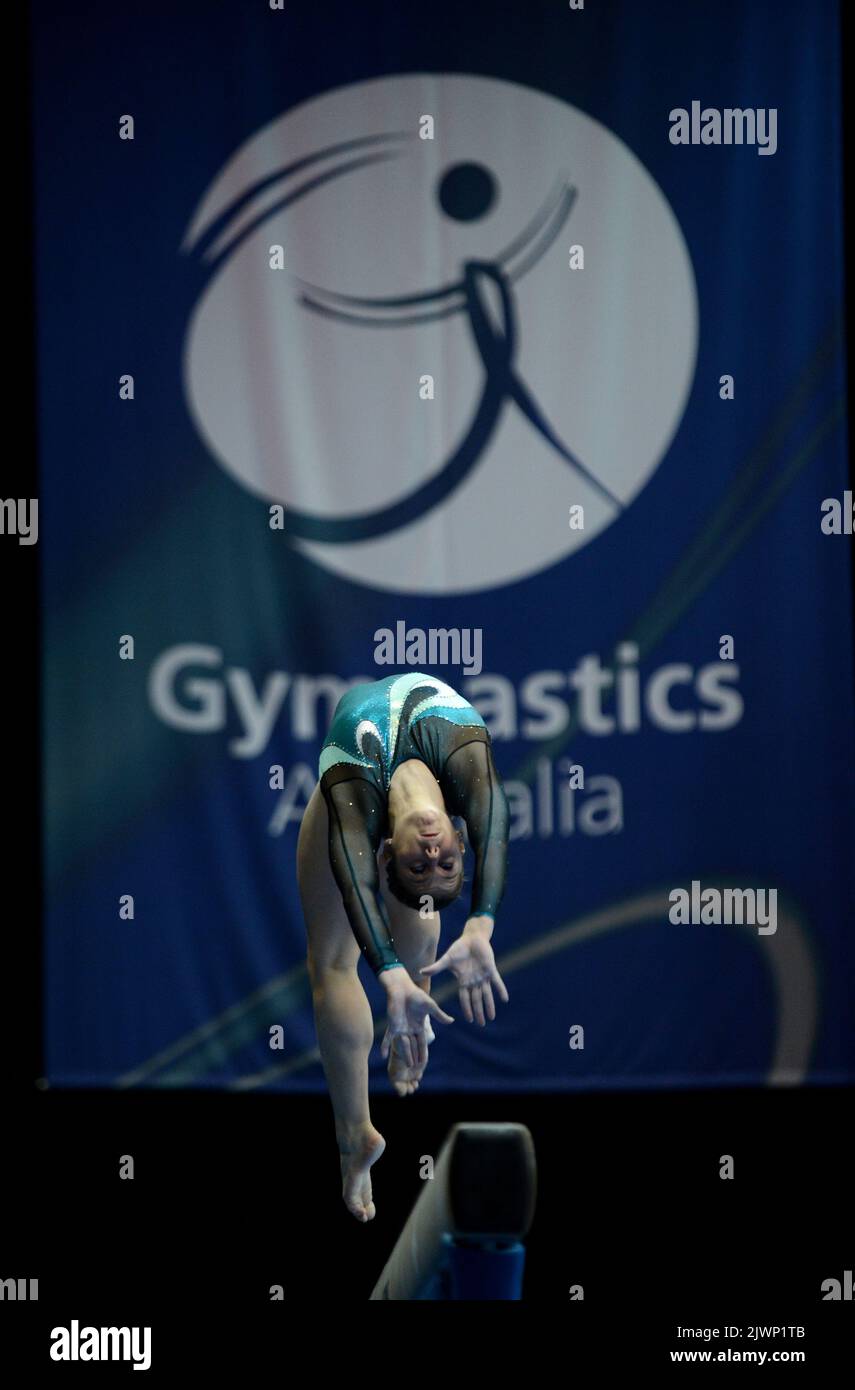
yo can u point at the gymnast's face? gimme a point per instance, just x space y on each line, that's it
428 851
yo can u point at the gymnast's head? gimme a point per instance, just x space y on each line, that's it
424 858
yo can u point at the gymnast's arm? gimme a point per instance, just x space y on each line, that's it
475 791
472 788
355 831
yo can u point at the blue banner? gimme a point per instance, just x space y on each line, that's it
502 344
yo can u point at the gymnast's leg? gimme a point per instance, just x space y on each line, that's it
343 1019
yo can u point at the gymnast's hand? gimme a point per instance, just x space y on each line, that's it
472 962
407 1004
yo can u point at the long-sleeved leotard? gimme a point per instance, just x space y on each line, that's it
375 728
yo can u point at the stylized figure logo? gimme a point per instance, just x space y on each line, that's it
304 382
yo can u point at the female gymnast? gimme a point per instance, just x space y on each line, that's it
401 756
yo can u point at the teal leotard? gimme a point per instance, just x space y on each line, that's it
375 728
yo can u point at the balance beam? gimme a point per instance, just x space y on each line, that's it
481 1198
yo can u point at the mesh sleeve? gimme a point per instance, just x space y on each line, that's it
473 789
355 829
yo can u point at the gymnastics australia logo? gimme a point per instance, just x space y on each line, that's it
424 349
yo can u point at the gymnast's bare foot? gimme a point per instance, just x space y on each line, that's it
358 1150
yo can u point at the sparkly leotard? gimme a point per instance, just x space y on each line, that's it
375 728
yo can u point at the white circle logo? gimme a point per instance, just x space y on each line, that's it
446 258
